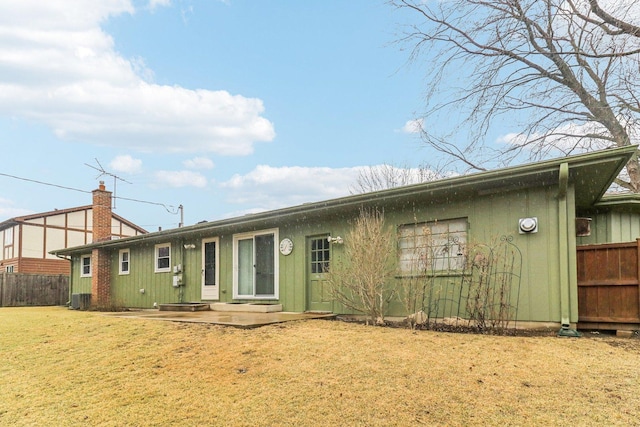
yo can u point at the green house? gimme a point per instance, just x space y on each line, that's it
281 256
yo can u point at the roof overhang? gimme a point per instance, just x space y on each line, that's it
628 202
591 175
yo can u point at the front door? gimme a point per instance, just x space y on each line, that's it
318 260
210 272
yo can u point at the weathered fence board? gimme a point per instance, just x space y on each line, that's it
18 290
609 286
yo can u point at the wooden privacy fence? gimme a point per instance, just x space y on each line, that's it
18 290
608 286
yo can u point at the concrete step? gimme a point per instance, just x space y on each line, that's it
185 306
246 307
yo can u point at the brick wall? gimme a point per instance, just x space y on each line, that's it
100 278
43 266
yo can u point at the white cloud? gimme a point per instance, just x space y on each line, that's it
268 187
8 210
567 138
413 126
198 163
126 164
58 67
155 3
177 179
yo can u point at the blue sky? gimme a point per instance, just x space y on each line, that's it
224 107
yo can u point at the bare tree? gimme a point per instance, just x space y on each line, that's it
381 177
609 23
563 73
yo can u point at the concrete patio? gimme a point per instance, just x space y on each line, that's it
227 318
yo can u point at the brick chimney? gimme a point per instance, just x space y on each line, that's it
101 214
100 257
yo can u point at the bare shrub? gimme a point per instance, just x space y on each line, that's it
479 291
418 290
493 279
360 281
430 254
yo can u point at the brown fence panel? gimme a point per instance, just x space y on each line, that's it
18 290
608 286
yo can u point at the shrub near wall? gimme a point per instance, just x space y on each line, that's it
360 282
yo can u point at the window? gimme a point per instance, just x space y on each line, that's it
9 269
8 236
124 261
320 255
255 265
432 247
85 266
163 258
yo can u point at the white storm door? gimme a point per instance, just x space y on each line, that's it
210 269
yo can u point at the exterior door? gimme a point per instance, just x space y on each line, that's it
210 271
318 261
255 266
264 265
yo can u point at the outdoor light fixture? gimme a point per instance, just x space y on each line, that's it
190 246
335 240
528 225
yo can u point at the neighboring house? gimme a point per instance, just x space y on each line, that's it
280 256
27 240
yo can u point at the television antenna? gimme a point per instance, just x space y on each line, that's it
114 176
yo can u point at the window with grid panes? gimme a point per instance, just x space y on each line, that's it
320 255
163 258
432 247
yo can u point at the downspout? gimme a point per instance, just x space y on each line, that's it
70 276
563 250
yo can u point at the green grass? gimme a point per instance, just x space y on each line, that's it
65 368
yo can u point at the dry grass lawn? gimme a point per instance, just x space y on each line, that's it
65 368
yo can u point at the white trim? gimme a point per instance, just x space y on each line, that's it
120 261
276 266
82 273
155 258
211 293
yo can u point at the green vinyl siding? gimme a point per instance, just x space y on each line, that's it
78 284
489 217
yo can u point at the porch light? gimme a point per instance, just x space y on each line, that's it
528 225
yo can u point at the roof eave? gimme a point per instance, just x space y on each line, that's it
497 179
